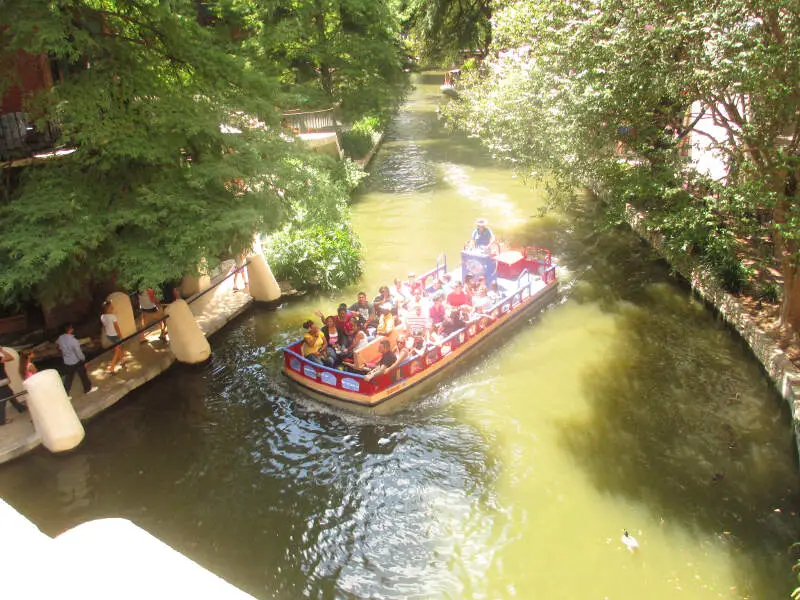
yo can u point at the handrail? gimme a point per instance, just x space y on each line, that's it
189 300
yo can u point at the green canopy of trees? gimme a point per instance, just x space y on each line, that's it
599 94
174 108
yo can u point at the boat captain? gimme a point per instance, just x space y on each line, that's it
482 236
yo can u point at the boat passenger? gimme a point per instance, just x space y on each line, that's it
359 339
482 236
387 360
452 323
333 338
384 297
437 312
494 294
314 345
481 300
401 293
385 320
417 323
412 283
458 296
447 284
364 309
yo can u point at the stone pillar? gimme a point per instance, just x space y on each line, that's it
263 286
51 411
122 308
12 370
193 284
186 340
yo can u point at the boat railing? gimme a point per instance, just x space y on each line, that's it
340 380
429 277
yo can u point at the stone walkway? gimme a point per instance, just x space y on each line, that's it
144 361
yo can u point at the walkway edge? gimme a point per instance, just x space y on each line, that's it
763 344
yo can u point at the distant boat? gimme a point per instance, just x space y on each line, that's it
450 85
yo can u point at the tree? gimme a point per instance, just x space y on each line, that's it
592 76
440 29
179 154
326 52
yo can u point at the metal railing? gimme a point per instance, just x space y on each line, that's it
310 121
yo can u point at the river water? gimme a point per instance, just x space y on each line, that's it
626 404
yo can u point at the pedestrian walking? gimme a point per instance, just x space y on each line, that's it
5 391
114 335
148 312
73 360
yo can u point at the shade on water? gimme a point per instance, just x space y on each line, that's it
626 404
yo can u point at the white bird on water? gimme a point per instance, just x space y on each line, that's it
629 541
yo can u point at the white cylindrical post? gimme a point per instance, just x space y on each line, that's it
263 286
123 309
51 411
12 370
186 339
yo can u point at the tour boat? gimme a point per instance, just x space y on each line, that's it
450 85
526 281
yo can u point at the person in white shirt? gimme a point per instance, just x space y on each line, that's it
114 335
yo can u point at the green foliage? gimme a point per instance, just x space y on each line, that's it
316 256
175 117
358 140
438 30
768 291
600 94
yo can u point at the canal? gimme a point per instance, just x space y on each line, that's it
627 404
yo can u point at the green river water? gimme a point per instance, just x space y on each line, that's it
626 404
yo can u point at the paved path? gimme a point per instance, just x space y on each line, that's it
144 361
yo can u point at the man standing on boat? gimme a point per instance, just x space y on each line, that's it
482 236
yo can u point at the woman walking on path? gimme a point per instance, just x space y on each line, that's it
26 365
114 335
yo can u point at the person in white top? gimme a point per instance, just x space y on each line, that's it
112 331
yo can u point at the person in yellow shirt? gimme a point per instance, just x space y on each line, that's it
386 320
315 347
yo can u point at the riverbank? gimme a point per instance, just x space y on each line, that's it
144 361
765 345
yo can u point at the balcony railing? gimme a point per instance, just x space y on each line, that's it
311 121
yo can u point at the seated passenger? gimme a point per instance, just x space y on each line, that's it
402 294
314 345
413 284
417 324
447 283
385 320
387 361
494 294
364 309
452 323
359 339
345 323
437 312
458 297
333 337
480 300
384 297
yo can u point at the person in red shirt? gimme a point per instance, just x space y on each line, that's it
458 296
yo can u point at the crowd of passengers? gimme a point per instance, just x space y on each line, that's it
428 317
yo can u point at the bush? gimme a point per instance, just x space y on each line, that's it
315 257
357 141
